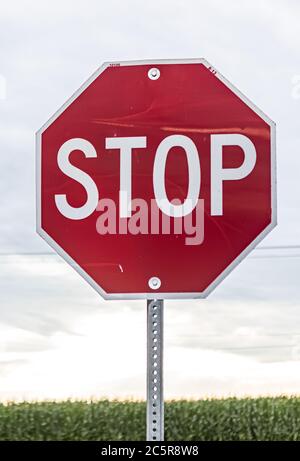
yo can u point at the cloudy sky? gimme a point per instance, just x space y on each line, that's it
58 339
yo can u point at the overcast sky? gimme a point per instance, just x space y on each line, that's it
58 338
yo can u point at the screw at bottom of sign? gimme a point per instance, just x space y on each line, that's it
154 283
154 73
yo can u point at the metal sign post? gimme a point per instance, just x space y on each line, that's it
155 400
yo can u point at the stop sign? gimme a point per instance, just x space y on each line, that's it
156 179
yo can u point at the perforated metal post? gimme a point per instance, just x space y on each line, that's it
155 401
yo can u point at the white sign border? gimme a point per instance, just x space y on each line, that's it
155 294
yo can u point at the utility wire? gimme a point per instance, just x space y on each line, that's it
269 247
274 256
278 247
244 348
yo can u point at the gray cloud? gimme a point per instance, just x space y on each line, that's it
47 51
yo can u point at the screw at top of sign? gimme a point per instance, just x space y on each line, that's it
154 283
154 73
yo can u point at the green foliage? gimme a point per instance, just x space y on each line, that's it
227 419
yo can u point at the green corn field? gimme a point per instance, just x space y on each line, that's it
275 418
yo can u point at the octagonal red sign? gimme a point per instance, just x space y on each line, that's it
156 179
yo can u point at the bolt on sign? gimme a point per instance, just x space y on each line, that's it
155 179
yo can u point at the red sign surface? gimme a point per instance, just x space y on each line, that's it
156 179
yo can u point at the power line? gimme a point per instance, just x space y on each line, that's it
242 335
244 348
268 247
274 256
278 247
29 253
